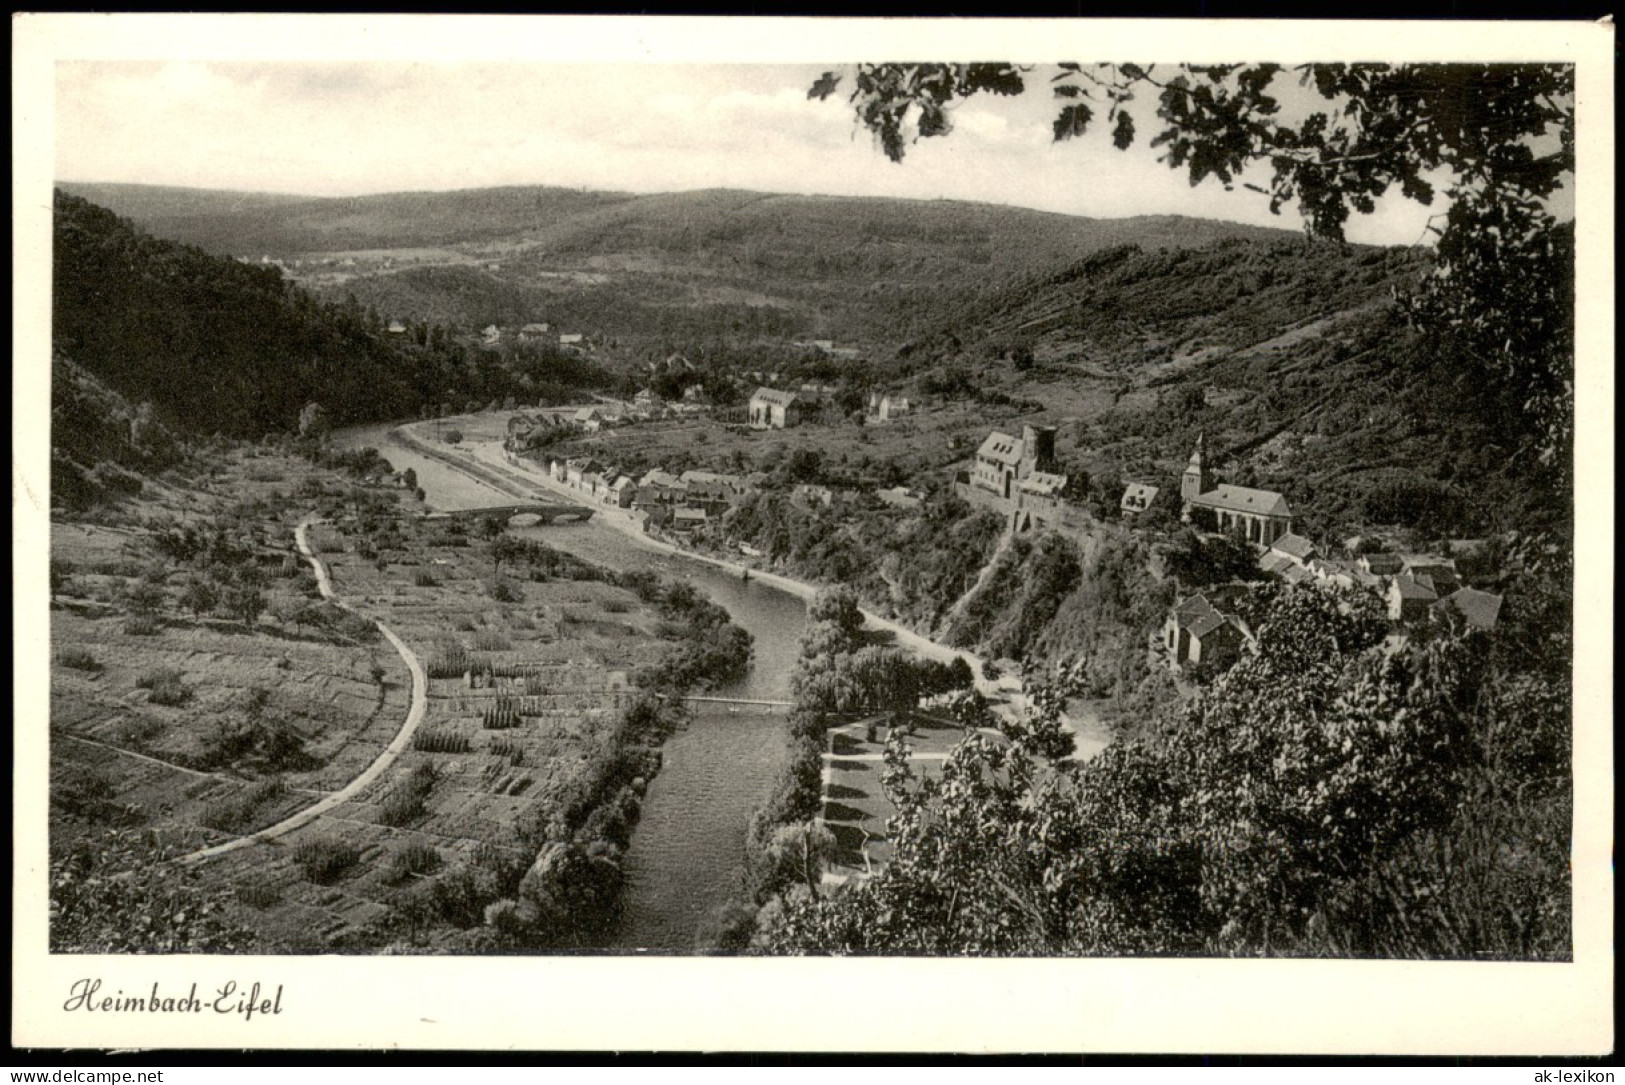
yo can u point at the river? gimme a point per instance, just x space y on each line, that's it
688 850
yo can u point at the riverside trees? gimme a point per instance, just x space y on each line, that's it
1299 806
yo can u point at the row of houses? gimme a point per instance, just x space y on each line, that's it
670 502
1415 586
783 408
1417 589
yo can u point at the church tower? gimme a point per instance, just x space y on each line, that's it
1194 483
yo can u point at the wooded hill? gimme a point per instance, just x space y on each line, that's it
214 345
627 264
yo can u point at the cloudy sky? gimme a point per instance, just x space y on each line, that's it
341 128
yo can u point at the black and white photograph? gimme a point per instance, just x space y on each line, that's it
549 510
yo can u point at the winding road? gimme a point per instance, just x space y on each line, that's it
400 743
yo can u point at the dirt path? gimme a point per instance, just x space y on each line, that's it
401 742
983 575
144 757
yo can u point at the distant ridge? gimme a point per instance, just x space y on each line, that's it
279 225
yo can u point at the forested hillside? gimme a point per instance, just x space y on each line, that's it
214 345
217 343
713 262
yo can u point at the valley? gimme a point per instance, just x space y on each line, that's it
910 486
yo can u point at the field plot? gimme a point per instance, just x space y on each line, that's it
203 691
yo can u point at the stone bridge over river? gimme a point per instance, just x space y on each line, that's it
547 514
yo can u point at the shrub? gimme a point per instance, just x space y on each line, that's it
325 859
508 747
79 659
423 578
234 814
136 730
407 799
142 625
440 740
501 715
450 660
258 893
454 437
412 858
489 640
504 590
166 686
84 790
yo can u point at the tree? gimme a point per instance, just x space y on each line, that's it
506 548
1334 138
200 596
839 607
144 598
313 421
1244 825
245 602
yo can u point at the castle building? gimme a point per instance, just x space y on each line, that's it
1003 461
1255 516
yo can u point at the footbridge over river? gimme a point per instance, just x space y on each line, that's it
547 514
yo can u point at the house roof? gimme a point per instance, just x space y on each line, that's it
711 477
657 477
1409 587
1296 574
1194 608
1479 608
586 414
624 482
1199 618
688 513
1426 561
1044 483
1243 499
773 397
1137 495
1001 448
1272 562
1383 564
1294 546
534 328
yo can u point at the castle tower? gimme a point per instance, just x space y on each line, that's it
1195 482
1037 449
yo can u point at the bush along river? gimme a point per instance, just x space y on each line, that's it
688 850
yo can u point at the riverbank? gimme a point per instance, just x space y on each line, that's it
1081 719
625 522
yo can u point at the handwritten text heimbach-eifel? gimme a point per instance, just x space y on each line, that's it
248 1002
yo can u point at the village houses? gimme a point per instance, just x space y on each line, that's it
1198 634
773 409
1137 497
887 408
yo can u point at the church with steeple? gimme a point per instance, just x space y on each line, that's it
1255 516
